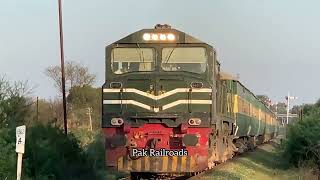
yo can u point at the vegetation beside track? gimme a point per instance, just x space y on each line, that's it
303 140
266 162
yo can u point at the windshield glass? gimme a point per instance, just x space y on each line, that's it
191 59
124 60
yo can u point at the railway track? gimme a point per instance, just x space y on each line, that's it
125 178
167 178
191 177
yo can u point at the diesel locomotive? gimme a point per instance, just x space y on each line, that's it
164 90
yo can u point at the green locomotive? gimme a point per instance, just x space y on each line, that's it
164 91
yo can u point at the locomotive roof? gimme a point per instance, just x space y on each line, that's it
180 37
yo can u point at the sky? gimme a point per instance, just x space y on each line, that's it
273 45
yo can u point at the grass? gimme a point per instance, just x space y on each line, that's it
266 162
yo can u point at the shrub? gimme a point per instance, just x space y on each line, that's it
50 154
8 155
303 143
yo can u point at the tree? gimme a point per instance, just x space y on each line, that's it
48 111
14 106
317 104
296 109
7 158
281 108
75 75
82 98
303 144
52 155
307 108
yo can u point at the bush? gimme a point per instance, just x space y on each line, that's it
52 155
8 155
96 153
303 143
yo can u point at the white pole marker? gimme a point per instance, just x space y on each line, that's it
20 143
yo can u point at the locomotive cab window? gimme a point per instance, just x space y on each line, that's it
190 59
124 60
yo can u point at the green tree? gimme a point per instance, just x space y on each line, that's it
82 98
8 155
50 154
307 108
14 107
282 108
303 143
44 112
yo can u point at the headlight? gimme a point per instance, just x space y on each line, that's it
194 122
116 121
163 37
154 37
158 36
171 37
146 36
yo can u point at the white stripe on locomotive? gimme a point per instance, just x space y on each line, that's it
158 97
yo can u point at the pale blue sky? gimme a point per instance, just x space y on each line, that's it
274 45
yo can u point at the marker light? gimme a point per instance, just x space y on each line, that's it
116 85
116 121
194 122
146 36
155 37
196 84
163 37
171 37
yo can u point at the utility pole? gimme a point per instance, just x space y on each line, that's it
90 119
288 108
301 113
37 109
63 80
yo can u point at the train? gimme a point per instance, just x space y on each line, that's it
168 109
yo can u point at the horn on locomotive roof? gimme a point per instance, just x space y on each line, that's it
162 26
